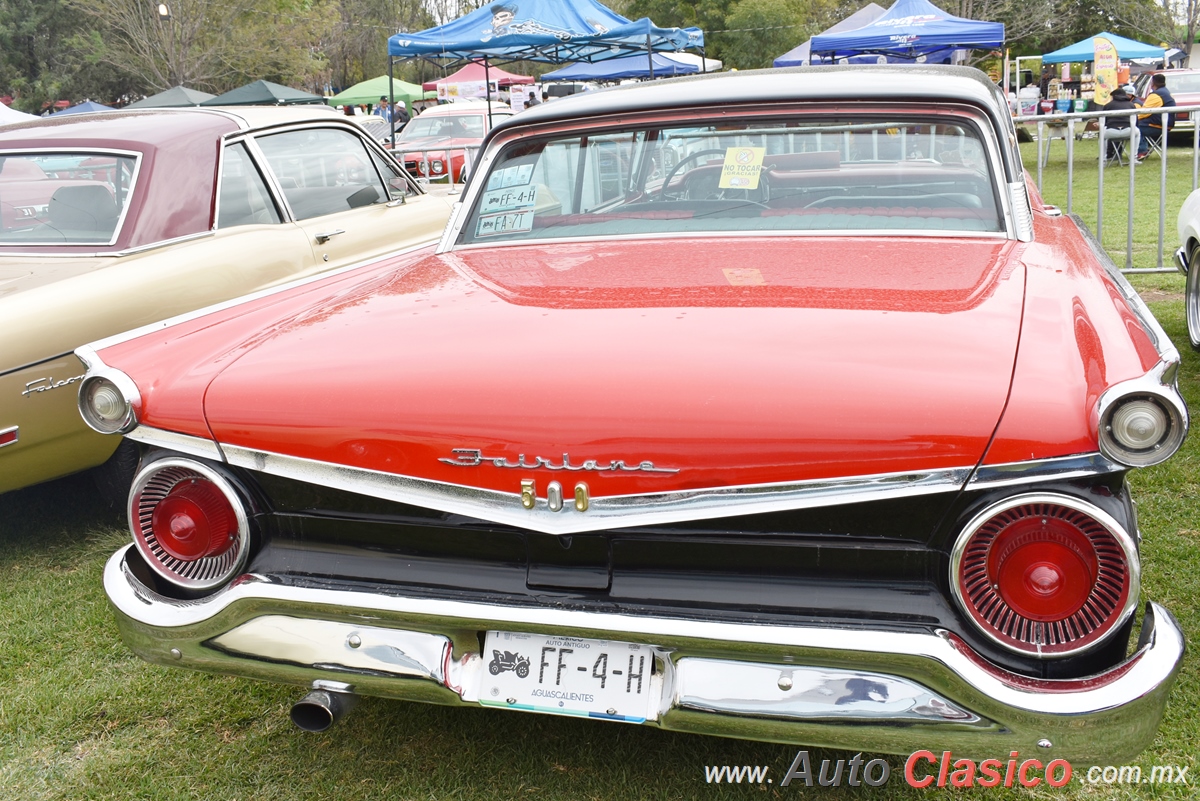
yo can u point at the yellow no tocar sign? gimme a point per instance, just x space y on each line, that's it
742 167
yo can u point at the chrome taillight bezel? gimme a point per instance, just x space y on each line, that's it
123 385
150 486
1120 538
1158 388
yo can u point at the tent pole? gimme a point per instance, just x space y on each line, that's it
1006 81
392 99
487 90
703 62
650 56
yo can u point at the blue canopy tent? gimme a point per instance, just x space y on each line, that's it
549 31
801 55
1085 50
617 68
85 107
911 29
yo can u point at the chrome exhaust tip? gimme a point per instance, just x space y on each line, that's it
324 706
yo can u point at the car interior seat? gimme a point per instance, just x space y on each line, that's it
86 208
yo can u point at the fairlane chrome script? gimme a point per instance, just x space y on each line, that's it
473 457
47 384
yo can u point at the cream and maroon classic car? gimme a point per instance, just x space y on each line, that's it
113 220
768 405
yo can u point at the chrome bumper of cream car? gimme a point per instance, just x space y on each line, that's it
928 690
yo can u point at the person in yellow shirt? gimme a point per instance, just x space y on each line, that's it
1151 125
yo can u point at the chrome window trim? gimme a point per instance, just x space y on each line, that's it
137 157
160 244
162 325
856 233
234 141
108 254
1099 515
264 167
250 138
1060 468
502 137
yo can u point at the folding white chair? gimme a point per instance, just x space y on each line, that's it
1156 144
1052 131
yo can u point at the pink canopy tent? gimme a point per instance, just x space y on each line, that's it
475 72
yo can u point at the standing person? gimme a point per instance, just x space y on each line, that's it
384 110
1151 125
399 116
1044 83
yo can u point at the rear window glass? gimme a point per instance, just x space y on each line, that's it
1184 83
792 174
66 197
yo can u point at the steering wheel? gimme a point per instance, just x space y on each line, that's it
662 192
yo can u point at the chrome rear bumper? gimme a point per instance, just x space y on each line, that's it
871 690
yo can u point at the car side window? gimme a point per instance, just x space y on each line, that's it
323 171
244 198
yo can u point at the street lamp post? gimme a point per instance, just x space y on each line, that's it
168 34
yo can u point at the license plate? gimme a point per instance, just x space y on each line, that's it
570 676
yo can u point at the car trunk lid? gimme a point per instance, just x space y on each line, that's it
645 368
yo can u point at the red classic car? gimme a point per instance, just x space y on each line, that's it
1184 86
771 405
441 139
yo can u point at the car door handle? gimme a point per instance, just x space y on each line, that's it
324 237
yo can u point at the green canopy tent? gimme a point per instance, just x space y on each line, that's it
369 92
263 93
174 97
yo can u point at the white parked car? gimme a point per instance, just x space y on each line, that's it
1185 258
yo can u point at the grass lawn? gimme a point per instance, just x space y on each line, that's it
1084 194
81 718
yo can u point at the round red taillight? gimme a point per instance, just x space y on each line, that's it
189 523
194 521
1045 574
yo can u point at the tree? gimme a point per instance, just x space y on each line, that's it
41 59
357 48
757 31
211 44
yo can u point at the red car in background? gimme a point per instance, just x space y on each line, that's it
440 138
1184 86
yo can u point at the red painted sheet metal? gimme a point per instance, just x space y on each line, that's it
173 366
1079 337
733 361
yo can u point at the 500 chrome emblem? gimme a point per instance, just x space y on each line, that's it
473 457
